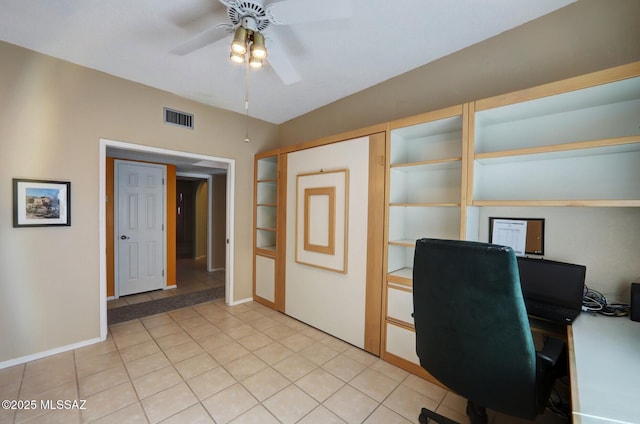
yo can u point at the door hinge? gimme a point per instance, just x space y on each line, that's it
162 227
163 181
163 272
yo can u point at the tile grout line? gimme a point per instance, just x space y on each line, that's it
237 381
244 319
184 380
24 372
75 370
126 370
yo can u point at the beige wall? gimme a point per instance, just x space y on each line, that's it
53 113
52 116
586 36
201 219
605 240
219 220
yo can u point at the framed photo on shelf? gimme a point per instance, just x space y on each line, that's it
41 203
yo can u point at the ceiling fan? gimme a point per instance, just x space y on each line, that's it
263 17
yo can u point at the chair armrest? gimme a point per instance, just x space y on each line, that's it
550 364
551 352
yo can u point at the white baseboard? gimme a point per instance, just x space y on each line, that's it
40 355
170 287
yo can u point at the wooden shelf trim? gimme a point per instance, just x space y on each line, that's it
402 324
403 243
403 276
423 205
271 205
445 161
405 281
266 229
267 180
402 287
565 147
560 203
267 251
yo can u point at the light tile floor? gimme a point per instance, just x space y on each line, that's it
211 363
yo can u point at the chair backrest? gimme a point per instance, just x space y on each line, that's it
472 330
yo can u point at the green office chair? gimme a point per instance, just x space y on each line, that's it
472 330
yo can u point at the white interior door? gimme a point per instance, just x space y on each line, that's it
140 239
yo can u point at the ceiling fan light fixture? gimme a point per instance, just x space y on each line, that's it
255 62
236 58
258 48
239 43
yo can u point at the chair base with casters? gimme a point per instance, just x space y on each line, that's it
477 415
473 333
426 415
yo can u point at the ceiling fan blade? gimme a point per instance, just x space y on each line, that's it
201 40
302 11
279 61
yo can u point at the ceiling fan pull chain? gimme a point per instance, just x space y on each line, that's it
246 104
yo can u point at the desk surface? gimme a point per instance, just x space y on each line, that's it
604 359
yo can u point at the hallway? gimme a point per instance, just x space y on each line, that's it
192 277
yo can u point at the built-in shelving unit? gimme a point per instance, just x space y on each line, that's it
572 143
266 204
424 199
574 148
425 180
265 228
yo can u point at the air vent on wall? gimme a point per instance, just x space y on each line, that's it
178 118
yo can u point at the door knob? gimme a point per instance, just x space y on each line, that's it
124 238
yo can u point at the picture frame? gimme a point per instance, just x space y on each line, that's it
41 203
322 219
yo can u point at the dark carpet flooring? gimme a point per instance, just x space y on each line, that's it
139 310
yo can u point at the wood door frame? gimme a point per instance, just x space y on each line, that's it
102 194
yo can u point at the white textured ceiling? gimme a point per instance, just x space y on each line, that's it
134 39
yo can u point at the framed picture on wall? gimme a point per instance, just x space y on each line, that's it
41 203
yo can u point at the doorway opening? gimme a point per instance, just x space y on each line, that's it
200 230
217 173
